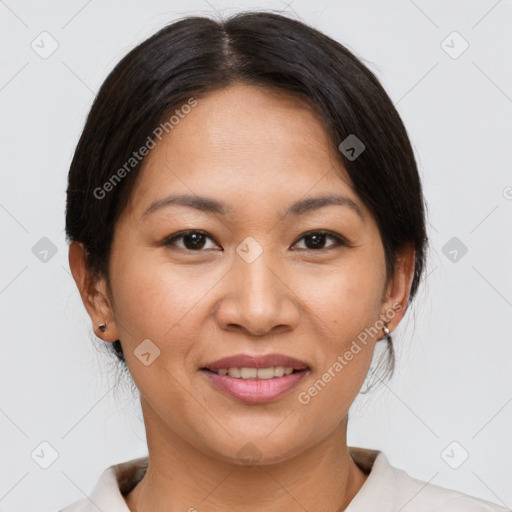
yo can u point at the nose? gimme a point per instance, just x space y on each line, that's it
258 298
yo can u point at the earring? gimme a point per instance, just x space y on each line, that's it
387 332
102 327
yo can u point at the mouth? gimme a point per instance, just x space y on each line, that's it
255 379
246 373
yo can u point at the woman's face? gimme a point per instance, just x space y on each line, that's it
255 278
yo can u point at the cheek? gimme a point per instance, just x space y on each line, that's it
346 296
345 305
155 301
151 294
165 303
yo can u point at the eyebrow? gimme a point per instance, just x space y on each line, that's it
209 205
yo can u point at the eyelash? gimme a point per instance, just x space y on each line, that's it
340 242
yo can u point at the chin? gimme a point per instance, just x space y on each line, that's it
260 450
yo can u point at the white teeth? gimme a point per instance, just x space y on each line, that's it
278 371
248 373
253 373
234 372
267 373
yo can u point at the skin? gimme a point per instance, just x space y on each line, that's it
257 150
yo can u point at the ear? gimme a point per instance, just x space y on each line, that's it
93 292
399 287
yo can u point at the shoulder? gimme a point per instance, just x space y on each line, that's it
389 488
112 485
419 496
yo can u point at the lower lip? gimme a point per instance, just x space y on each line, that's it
255 390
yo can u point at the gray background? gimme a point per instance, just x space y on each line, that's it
453 381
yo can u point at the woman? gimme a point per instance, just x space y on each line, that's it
246 223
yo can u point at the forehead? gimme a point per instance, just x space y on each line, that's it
243 143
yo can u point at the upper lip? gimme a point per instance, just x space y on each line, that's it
255 361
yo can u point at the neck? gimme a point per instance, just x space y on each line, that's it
181 477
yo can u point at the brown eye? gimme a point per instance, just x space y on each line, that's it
315 240
192 240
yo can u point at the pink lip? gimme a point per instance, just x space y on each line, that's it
255 390
255 361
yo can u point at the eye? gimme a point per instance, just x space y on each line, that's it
193 240
196 240
317 240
